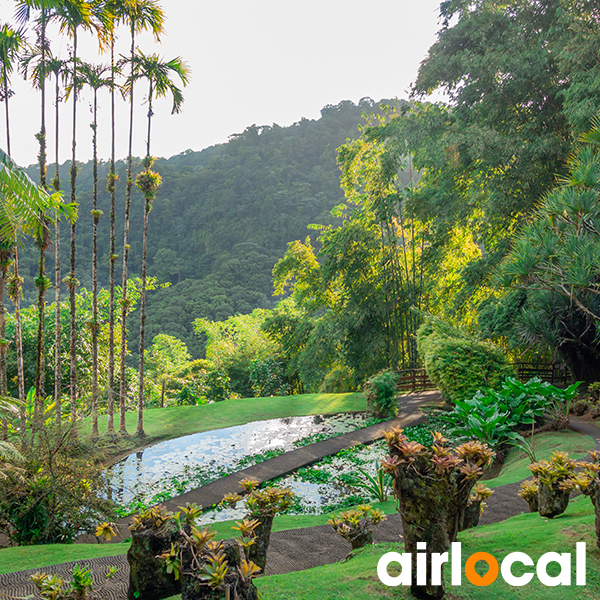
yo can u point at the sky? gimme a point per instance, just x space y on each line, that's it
253 62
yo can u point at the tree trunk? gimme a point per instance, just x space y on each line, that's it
72 280
124 304
95 275
57 321
162 393
40 371
4 257
6 111
140 421
111 266
19 344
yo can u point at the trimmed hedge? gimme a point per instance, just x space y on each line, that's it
457 363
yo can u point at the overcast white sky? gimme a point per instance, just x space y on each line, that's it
253 62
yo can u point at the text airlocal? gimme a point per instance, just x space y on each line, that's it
495 569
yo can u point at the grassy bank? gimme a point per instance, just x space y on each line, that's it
357 579
168 423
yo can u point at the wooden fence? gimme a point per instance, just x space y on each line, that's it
414 380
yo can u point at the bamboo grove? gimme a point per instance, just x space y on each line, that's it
40 209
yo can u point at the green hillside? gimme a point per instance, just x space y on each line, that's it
222 218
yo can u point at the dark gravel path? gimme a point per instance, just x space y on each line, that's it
288 549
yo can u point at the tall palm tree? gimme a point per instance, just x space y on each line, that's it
158 73
72 15
21 204
117 12
93 76
59 69
11 43
141 15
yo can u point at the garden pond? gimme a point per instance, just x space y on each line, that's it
173 467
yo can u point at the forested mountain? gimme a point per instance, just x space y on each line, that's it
221 220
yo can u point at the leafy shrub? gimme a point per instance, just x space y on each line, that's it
267 378
191 393
381 394
457 363
53 498
217 386
337 381
495 416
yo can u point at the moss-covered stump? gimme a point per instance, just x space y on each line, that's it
433 488
552 501
471 516
196 586
148 578
258 551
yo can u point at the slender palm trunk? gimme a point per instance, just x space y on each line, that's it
42 134
4 258
124 302
140 420
16 297
41 279
112 181
95 323
147 207
6 111
57 322
40 370
72 280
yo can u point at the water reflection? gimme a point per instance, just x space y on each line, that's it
175 466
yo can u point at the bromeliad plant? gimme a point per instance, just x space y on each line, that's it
261 505
554 487
433 486
475 506
529 493
588 482
356 525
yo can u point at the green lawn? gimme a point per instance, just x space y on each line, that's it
357 578
168 423
515 465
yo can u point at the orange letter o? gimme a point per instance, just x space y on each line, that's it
473 576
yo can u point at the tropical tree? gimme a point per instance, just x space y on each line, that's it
140 15
165 358
11 43
117 13
555 262
158 74
21 204
93 76
71 16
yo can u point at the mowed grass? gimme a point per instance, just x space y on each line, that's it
357 578
544 444
167 423
22 558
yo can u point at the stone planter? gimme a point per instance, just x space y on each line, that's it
552 501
